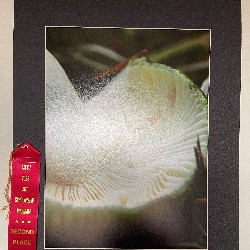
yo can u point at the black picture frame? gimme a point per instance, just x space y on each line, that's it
224 20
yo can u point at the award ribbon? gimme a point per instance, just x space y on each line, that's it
24 200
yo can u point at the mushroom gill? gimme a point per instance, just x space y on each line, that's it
130 144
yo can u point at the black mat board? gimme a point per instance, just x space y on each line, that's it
224 20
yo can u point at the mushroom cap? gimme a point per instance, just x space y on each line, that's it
129 145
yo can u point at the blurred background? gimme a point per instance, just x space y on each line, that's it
86 52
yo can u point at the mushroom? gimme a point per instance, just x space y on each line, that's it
128 147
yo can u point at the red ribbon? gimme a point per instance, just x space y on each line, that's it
25 180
